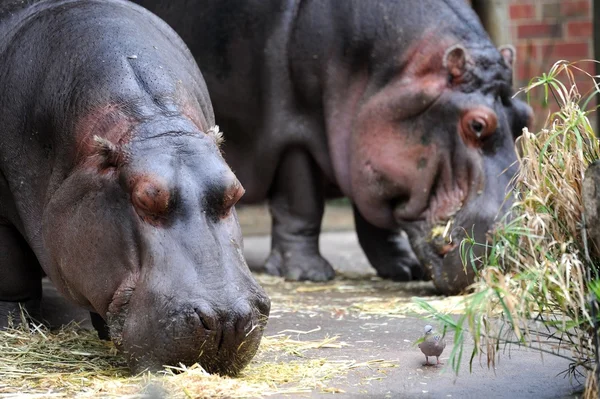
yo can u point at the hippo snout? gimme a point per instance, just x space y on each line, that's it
451 252
450 272
234 324
222 338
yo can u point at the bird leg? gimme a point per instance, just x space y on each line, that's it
438 360
427 361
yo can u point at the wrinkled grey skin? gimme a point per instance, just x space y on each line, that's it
113 185
402 106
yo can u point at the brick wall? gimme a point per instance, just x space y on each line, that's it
545 31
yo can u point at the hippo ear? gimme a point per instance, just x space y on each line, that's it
216 135
508 54
456 61
112 154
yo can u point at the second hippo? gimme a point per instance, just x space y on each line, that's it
404 107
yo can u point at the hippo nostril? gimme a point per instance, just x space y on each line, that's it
207 319
204 323
244 323
400 202
263 305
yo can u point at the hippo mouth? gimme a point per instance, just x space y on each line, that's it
180 335
441 238
440 249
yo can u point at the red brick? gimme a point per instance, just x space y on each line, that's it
526 50
521 11
586 67
551 10
525 70
579 29
572 51
585 88
542 112
539 30
575 8
521 72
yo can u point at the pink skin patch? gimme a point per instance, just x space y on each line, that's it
232 195
391 161
111 123
191 112
108 122
398 170
372 157
150 196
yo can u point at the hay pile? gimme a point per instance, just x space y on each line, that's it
537 283
361 298
72 361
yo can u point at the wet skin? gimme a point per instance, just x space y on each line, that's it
113 184
407 112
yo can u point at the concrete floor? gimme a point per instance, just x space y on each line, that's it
520 373
334 309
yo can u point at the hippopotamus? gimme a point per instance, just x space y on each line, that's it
113 184
404 107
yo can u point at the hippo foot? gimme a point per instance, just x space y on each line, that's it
400 269
13 314
388 251
298 266
396 261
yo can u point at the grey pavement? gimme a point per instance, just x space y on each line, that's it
520 373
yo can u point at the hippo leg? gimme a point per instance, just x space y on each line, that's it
389 252
20 278
297 205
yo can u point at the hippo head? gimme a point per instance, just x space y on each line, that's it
144 232
432 152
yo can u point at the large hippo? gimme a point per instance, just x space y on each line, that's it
402 106
113 184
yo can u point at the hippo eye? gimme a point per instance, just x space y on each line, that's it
478 124
151 199
478 127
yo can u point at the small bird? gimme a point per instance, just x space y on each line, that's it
432 345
